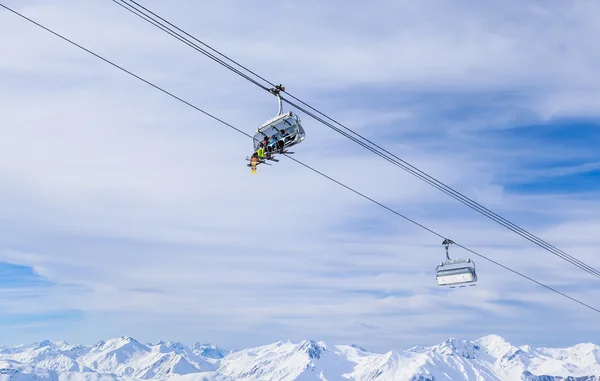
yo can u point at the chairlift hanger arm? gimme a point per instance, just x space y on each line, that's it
447 243
275 91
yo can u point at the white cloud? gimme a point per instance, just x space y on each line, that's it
133 203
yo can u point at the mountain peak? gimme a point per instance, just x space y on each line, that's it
496 345
356 346
176 345
454 347
118 341
492 338
209 351
312 348
44 343
126 345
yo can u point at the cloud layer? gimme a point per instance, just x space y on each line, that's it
141 213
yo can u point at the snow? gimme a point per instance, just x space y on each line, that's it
125 359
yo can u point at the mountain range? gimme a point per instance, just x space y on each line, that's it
125 359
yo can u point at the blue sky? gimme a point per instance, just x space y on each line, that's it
125 212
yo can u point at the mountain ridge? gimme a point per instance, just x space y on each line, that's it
124 358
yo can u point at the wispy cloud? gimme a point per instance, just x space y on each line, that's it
142 215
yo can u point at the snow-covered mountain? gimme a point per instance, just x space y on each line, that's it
125 359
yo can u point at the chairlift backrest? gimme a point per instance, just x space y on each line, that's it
455 272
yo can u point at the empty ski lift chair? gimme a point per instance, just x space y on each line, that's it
458 272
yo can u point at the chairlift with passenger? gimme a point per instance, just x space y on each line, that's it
457 272
278 134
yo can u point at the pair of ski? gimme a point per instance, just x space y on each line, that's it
260 161
263 160
253 163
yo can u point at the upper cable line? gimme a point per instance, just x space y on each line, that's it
163 24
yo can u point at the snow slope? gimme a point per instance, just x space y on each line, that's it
125 359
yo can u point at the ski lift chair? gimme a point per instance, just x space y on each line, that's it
458 272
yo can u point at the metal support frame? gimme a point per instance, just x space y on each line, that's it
447 243
275 91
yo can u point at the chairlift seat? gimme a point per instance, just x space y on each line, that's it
457 272
289 122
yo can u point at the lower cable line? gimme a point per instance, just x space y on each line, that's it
301 163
